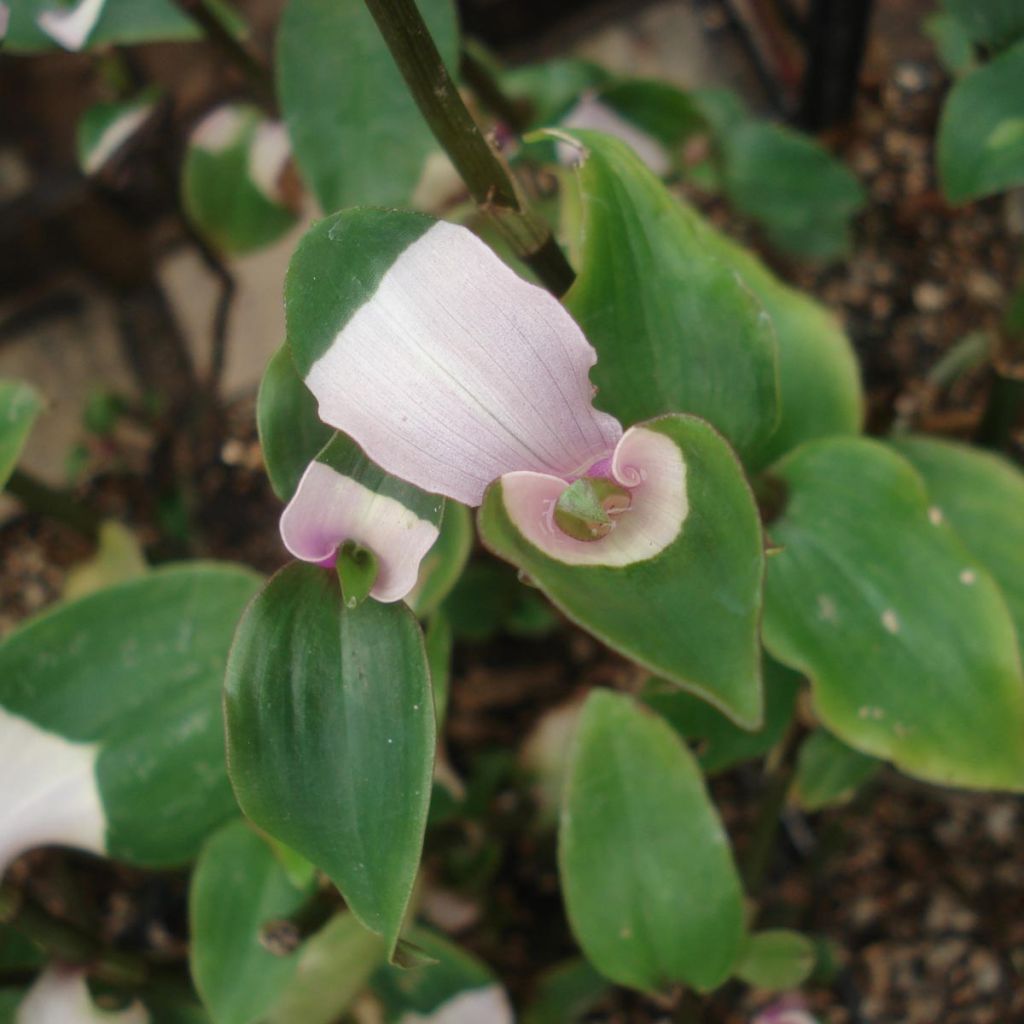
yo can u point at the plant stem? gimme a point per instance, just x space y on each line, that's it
1004 409
260 79
489 181
66 943
48 501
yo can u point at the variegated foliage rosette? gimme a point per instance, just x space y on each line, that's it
447 374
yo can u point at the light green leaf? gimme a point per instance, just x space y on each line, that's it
907 640
334 966
829 772
802 195
720 744
357 133
651 890
231 180
981 132
982 496
20 404
118 559
454 985
330 729
443 565
691 612
995 23
237 888
952 44
291 432
674 328
547 90
776 959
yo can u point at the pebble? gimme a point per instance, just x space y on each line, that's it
930 297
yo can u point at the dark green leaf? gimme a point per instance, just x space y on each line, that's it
357 133
674 328
649 882
443 565
565 994
331 736
995 23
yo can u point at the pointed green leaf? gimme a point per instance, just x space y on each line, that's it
674 328
20 404
907 640
981 133
650 886
330 730
829 772
358 135
982 496
776 959
691 612
291 432
719 743
453 986
239 887
231 180
125 684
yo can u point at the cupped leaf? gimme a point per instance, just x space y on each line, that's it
358 135
649 883
675 329
691 612
291 432
237 888
776 959
444 562
719 743
330 730
453 986
111 704
20 404
802 195
981 133
333 968
982 496
906 638
829 772
233 184
995 23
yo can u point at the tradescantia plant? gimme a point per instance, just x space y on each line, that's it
663 440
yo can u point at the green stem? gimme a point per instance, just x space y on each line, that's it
1003 411
48 501
64 942
489 181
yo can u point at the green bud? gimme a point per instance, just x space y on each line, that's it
586 508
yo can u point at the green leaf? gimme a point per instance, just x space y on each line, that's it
439 642
291 432
105 127
981 132
776 959
222 189
136 671
443 565
550 88
982 495
829 772
802 195
118 559
20 404
819 379
454 985
357 569
357 133
907 641
995 23
565 994
650 886
674 328
334 966
330 729
663 111
237 888
691 612
720 744
952 43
